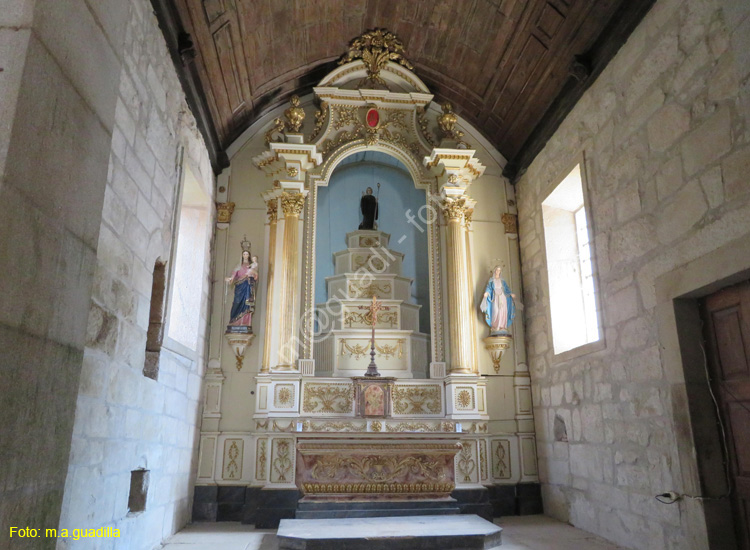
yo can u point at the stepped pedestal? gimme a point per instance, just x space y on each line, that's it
365 269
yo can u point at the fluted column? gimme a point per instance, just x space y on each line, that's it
460 306
272 205
292 203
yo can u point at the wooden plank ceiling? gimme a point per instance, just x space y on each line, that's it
504 64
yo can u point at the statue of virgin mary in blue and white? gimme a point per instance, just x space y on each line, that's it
498 303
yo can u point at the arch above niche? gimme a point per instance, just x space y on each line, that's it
419 176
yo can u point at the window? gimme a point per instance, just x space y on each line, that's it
189 264
570 268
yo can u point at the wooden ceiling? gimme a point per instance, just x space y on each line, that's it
512 68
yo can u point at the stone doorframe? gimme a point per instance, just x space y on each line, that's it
699 468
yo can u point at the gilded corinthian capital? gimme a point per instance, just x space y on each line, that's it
292 203
456 209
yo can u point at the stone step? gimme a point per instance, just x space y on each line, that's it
374 513
374 504
436 532
375 509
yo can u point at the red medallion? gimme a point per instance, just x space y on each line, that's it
373 118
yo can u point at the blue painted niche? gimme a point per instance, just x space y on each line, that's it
338 214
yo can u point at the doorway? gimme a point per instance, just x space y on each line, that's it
726 315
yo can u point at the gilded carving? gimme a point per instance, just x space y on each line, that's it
277 128
376 426
336 427
380 488
376 48
294 115
277 427
455 209
377 468
224 212
282 463
292 171
284 396
375 261
417 399
500 458
465 398
412 427
510 221
346 116
232 459
260 463
272 209
466 462
483 458
358 351
422 121
400 141
369 242
343 137
292 203
357 290
320 118
365 318
447 123
328 398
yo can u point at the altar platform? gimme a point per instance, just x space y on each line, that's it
390 533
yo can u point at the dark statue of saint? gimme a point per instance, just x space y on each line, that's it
368 205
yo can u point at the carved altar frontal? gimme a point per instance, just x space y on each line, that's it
376 469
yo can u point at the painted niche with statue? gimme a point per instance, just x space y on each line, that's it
244 279
498 305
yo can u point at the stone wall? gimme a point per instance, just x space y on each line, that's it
56 116
93 132
125 420
665 135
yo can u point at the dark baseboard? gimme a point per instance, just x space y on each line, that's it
265 508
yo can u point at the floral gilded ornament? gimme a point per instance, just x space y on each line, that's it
294 115
376 48
455 209
447 123
292 203
224 212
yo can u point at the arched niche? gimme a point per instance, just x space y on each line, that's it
320 177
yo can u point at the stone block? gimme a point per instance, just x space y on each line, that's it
707 143
682 213
685 84
630 241
635 333
592 424
667 126
736 172
713 187
661 57
622 305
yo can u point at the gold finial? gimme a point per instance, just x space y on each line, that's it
447 123
376 48
294 115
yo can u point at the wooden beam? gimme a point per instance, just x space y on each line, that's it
584 70
182 52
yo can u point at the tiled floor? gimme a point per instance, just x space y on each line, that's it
519 533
